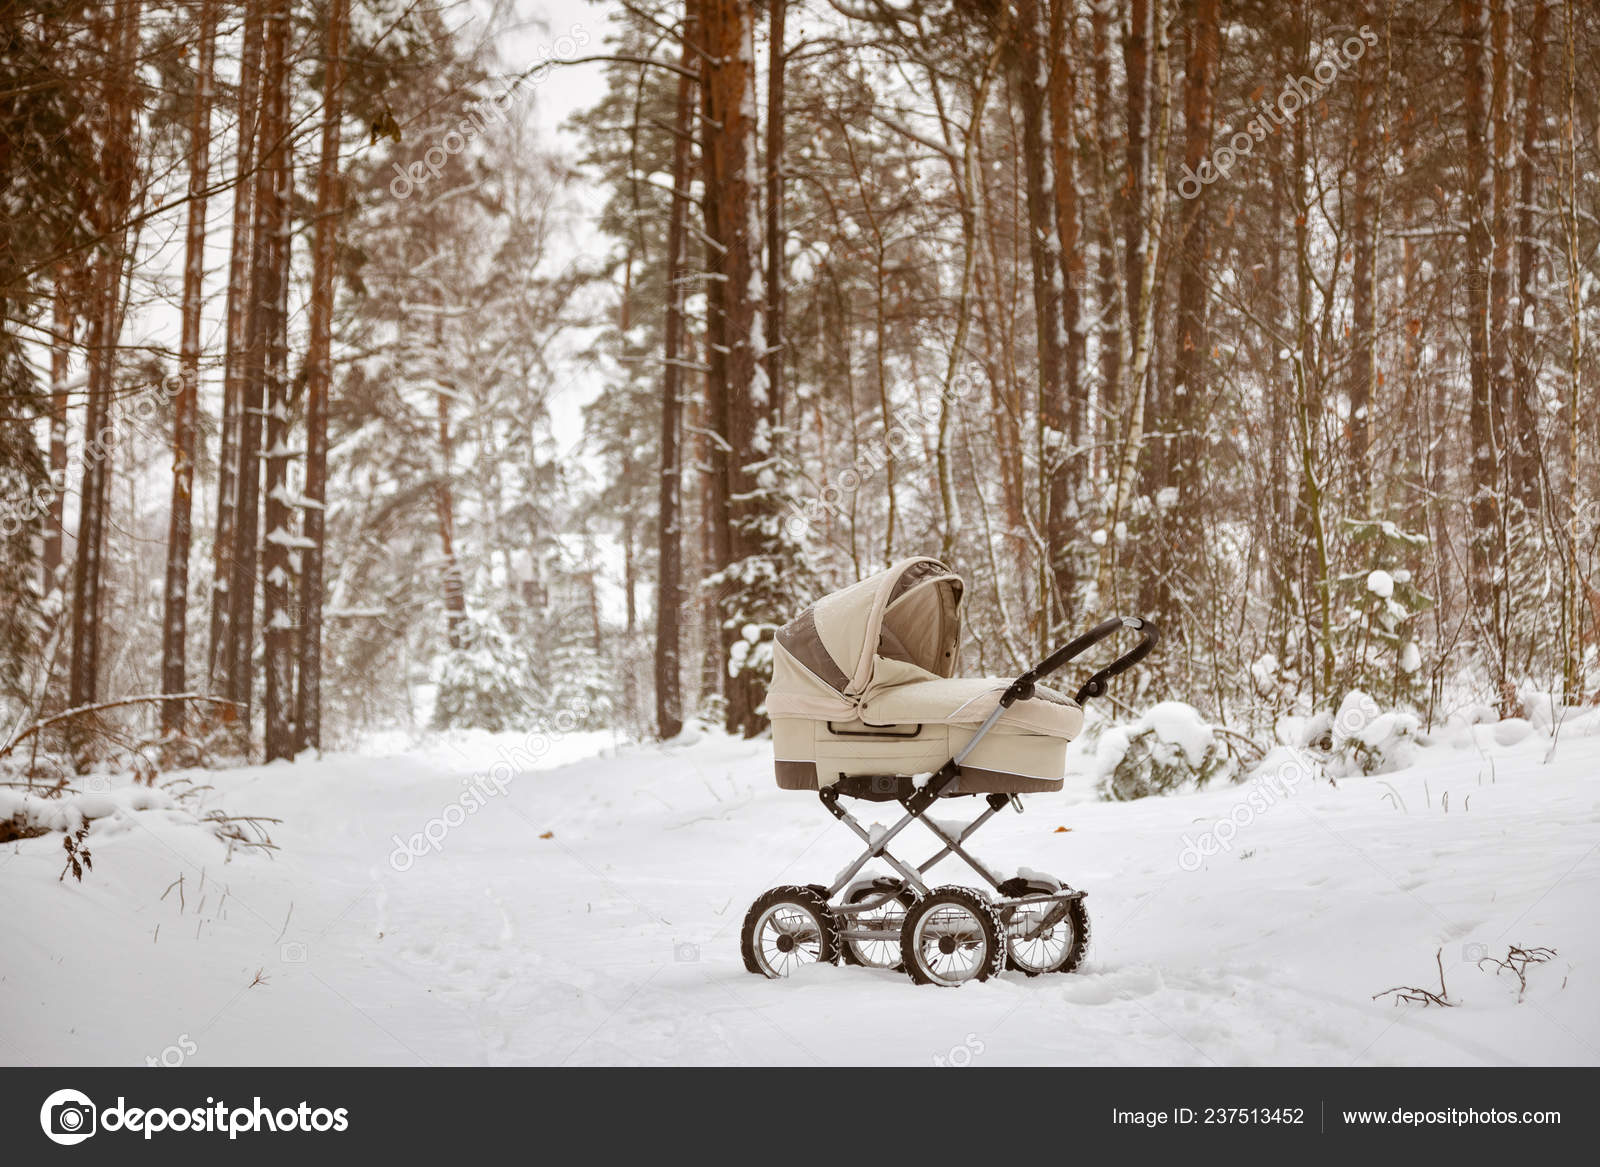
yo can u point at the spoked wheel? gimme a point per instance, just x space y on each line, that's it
888 919
1040 947
787 928
952 937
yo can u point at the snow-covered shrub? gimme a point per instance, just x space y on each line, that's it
1364 739
1376 648
485 681
1170 748
579 688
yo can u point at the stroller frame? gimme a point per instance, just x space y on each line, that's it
917 800
912 876
837 924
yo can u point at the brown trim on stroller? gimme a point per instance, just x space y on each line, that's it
796 775
802 641
803 776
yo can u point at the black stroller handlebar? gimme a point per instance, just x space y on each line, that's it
1022 688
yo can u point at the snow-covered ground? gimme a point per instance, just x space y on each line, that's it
591 913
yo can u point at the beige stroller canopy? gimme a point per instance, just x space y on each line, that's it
893 628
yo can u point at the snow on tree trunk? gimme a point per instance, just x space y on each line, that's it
319 379
186 401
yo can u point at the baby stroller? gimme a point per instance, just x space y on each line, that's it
862 702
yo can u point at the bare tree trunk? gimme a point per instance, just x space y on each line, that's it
1485 432
1500 281
175 622
267 216
1574 654
772 359
455 597
277 581
1181 533
1364 337
1308 409
104 327
1106 286
669 525
969 190
742 400
1031 68
1146 241
1136 63
62 325
1069 472
219 654
319 381
1525 448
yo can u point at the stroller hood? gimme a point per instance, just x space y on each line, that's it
901 625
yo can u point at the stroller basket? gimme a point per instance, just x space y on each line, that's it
863 704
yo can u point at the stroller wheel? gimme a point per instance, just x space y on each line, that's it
1057 948
786 928
888 918
952 937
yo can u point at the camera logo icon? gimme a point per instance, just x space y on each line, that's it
68 1117
885 784
294 952
685 953
1472 952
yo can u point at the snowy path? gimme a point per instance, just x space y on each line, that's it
615 938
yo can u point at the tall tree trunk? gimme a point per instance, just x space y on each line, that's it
185 404
62 326
455 596
1069 472
219 653
742 401
1107 296
1316 575
319 380
1575 653
772 359
1479 194
669 525
1146 241
1181 532
1137 71
1525 449
277 580
118 168
267 222
1500 266
1031 69
1365 165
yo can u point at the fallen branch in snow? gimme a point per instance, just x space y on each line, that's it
1422 996
227 828
1516 963
101 706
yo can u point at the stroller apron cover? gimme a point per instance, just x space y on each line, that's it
864 705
